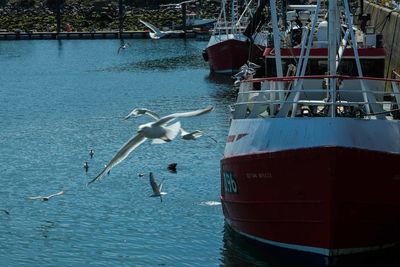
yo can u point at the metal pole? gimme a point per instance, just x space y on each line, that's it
277 47
58 16
284 19
332 30
184 19
121 18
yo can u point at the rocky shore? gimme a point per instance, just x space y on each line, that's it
97 15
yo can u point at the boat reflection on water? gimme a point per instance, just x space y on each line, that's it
220 79
223 89
240 251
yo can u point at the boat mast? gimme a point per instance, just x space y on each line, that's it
233 15
332 48
277 40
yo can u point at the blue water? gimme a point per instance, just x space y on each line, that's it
58 100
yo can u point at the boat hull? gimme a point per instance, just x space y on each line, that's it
330 200
227 56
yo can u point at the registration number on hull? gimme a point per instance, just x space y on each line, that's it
230 183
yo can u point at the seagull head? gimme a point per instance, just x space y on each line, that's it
144 128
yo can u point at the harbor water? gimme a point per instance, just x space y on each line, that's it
59 100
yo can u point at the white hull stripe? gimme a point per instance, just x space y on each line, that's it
317 250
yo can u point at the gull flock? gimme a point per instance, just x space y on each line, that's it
160 130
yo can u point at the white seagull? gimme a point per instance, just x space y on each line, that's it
48 197
142 111
159 131
156 187
156 33
192 135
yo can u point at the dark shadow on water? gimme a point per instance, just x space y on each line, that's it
163 64
46 227
172 63
240 251
219 78
224 91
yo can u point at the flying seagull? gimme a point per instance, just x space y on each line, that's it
142 111
159 131
156 187
184 134
156 33
194 135
178 5
48 197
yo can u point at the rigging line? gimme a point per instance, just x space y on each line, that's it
382 112
384 21
391 47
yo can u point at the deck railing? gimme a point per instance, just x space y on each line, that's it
356 97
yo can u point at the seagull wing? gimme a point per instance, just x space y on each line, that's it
152 27
38 197
140 111
172 130
195 134
56 194
160 186
127 148
173 116
183 132
154 186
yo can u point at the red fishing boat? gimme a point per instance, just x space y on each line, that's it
311 162
235 40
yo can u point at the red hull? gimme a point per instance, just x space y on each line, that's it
228 56
326 200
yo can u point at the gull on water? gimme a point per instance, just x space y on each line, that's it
46 198
159 131
123 46
156 187
91 153
172 167
5 211
86 166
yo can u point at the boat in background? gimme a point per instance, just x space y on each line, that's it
232 43
311 163
194 20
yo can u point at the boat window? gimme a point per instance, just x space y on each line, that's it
370 67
